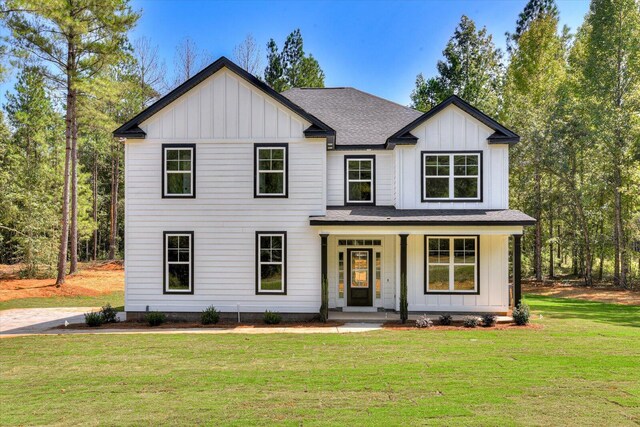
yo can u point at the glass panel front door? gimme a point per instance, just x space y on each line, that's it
360 292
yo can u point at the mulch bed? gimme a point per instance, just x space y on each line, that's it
397 326
194 325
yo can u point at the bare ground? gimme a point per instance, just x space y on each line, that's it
91 280
601 292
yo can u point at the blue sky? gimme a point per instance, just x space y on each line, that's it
375 46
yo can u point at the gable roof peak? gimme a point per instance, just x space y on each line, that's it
501 134
131 129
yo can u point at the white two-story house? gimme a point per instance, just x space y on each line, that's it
242 198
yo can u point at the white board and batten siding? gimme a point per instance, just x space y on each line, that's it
224 116
452 130
384 176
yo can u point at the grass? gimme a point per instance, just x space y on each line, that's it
116 299
581 368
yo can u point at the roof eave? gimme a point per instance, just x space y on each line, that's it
132 133
405 139
314 131
500 138
320 222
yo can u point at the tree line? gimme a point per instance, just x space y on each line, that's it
573 97
79 76
575 100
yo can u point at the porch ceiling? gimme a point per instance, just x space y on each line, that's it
389 215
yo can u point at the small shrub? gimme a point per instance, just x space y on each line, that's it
155 318
471 321
423 322
210 316
445 319
521 314
109 314
489 320
272 317
93 319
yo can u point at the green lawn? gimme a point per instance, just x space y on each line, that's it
582 368
116 299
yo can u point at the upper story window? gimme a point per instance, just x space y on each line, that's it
178 262
451 176
178 170
271 174
359 180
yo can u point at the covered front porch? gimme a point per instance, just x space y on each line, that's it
449 265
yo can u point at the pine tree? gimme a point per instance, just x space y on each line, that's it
274 72
33 181
77 39
533 10
472 69
291 67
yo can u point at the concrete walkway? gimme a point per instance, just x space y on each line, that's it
40 321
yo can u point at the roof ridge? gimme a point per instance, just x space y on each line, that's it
386 100
361 91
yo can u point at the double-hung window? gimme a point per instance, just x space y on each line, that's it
271 174
451 176
451 264
178 170
178 262
271 262
359 180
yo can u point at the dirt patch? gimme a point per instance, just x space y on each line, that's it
500 327
91 280
598 293
193 325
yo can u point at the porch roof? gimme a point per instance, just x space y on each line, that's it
389 215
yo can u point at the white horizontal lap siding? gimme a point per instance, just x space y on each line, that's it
224 218
385 176
493 279
453 130
224 116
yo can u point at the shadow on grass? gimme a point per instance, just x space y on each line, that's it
565 308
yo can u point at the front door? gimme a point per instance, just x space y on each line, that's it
359 292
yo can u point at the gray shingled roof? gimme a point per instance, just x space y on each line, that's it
382 215
357 117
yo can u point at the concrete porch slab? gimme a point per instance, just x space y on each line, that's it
390 316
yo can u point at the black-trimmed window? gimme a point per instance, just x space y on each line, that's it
271 175
178 262
451 176
452 265
178 170
271 262
360 180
